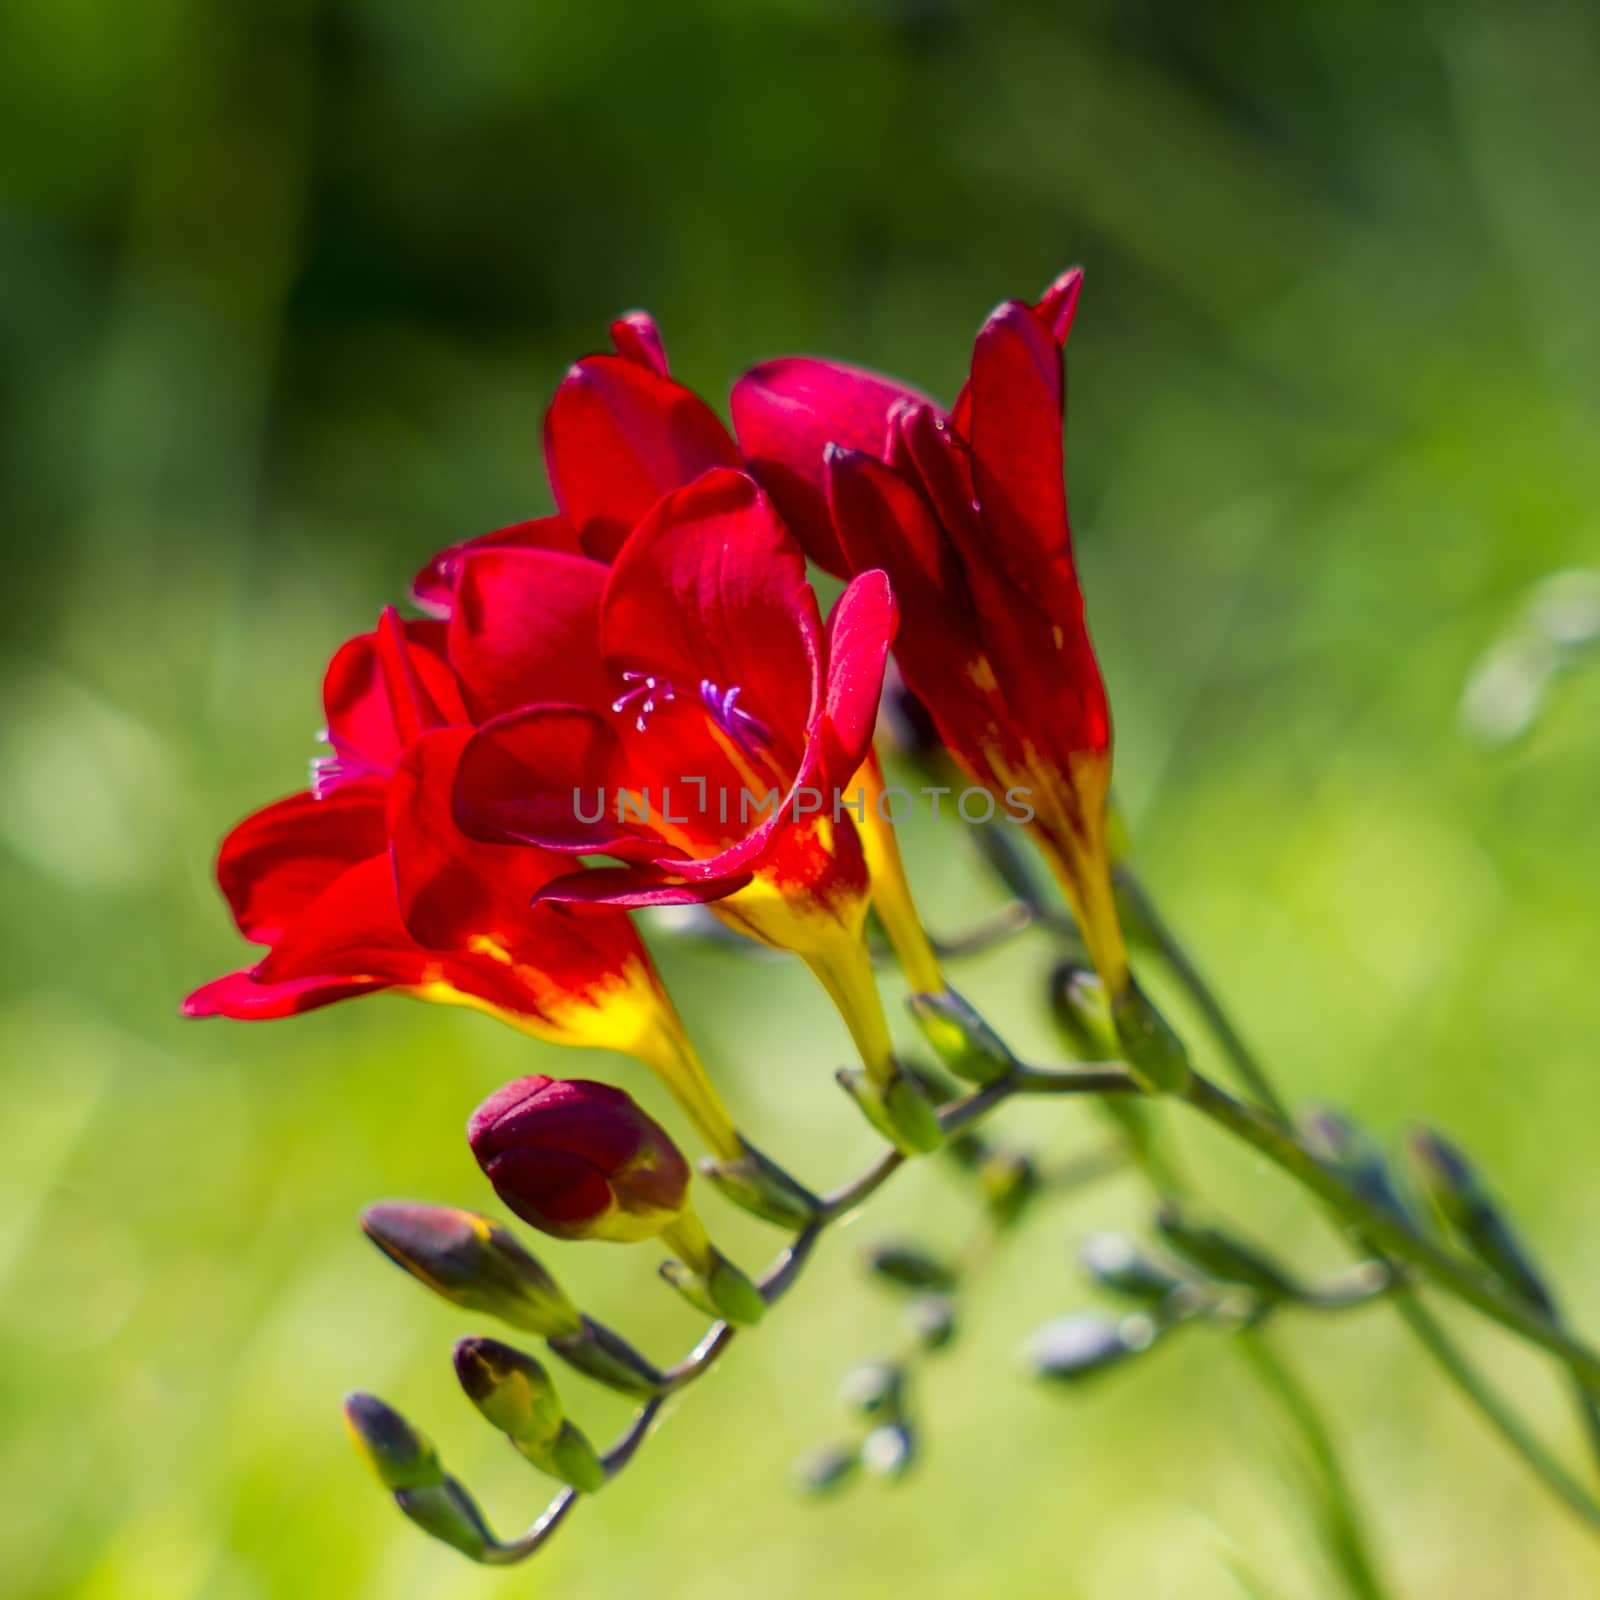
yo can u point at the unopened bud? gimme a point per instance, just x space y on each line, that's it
707 1279
473 1262
931 1319
1083 1343
907 1267
1221 1256
826 1469
873 1388
400 1456
900 1110
1343 1148
762 1187
889 1452
579 1160
965 1041
1118 1265
1458 1193
1009 1180
1082 1012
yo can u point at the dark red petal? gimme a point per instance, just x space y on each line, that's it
526 630
538 776
636 888
711 587
1055 309
636 336
416 703
786 413
859 632
240 996
619 436
1015 435
455 892
434 588
551 1190
594 1120
276 862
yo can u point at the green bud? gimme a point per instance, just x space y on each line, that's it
1221 1256
1344 1149
1119 1266
511 1389
762 1187
931 1319
1082 1012
473 1262
900 1110
399 1455
600 1354
517 1396
889 1451
1009 1180
1154 1053
968 1045
1083 1343
1452 1184
826 1469
873 1388
907 1267
448 1513
723 1291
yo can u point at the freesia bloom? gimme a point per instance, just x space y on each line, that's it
685 712
365 883
966 512
579 1160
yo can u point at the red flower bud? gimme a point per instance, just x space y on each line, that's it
579 1160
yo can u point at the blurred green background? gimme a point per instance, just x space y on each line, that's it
286 286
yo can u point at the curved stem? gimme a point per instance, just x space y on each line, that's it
1345 1530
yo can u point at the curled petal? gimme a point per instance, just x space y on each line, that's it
242 997
635 335
787 412
434 588
618 436
859 632
277 861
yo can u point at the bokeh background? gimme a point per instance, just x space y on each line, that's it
286 286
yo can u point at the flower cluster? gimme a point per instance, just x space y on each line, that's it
638 702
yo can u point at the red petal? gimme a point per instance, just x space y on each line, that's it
239 996
1015 434
619 436
362 720
859 632
454 890
534 776
1055 308
276 862
526 630
637 888
712 588
786 412
434 588
636 336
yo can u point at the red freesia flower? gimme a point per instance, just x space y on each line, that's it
966 512
579 1160
366 883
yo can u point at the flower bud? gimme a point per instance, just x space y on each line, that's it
873 1388
517 1396
1343 1148
1083 1343
579 1160
1221 1256
967 1044
762 1187
407 1464
909 1268
1458 1194
826 1469
889 1452
1009 1180
399 1455
900 1109
472 1262
1118 1265
931 1321
1081 1011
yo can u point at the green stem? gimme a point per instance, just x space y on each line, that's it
1344 1531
